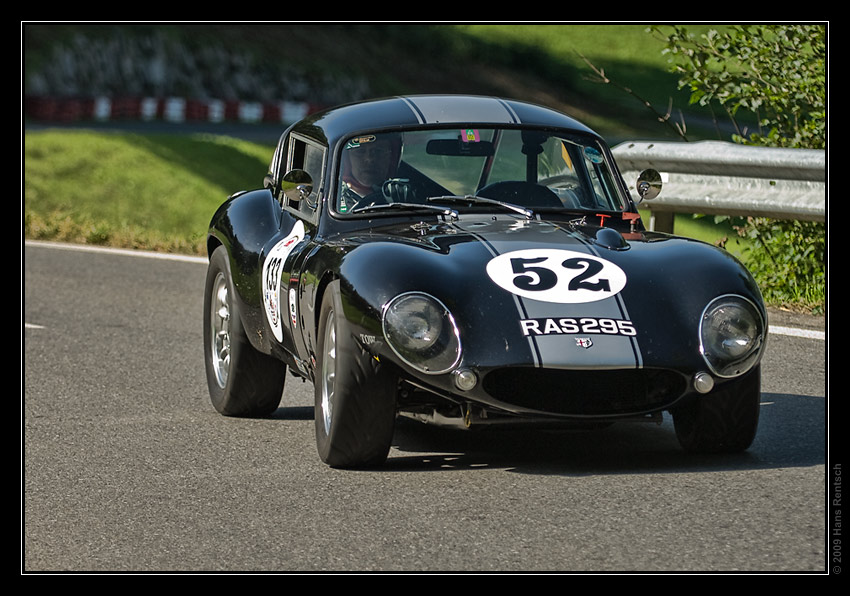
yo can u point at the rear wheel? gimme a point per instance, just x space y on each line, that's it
242 381
722 421
355 395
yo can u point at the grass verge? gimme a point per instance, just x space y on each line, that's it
155 192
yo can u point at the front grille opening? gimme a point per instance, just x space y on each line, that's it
586 392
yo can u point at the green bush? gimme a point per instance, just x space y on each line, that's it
776 74
788 258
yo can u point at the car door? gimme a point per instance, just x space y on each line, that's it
299 200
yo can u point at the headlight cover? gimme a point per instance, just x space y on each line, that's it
732 333
422 332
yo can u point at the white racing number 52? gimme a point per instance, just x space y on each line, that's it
554 275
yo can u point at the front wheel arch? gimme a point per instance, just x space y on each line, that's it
355 394
241 380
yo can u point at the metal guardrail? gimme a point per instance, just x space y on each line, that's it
719 178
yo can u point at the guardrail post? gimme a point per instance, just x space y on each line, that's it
662 221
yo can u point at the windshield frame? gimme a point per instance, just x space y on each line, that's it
615 192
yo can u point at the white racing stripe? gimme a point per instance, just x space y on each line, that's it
434 109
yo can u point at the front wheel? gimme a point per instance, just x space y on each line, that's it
355 395
722 421
242 381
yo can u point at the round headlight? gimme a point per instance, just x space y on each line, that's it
422 332
731 335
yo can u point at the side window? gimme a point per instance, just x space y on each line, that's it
310 157
272 179
279 154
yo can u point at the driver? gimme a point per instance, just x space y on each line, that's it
367 161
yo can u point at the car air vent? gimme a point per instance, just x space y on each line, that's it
586 393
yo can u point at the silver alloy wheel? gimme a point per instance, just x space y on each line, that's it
328 372
220 329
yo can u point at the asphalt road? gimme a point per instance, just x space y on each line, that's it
127 468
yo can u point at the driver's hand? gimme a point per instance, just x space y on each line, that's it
399 190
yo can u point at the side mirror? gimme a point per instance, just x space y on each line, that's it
296 185
648 185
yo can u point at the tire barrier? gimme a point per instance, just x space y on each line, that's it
171 109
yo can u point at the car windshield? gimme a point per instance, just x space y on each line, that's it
475 168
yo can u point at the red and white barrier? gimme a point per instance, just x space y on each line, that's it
170 109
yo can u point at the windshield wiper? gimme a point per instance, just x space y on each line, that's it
473 200
406 207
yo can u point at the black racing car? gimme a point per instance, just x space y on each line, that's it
466 261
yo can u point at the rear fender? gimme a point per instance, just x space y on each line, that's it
244 225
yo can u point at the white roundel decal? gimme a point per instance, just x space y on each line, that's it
272 270
553 275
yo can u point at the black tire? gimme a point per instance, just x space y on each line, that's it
355 396
242 381
722 421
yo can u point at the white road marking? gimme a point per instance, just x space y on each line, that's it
809 333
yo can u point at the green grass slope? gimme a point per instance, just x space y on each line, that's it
154 192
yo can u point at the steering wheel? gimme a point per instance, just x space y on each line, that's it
522 193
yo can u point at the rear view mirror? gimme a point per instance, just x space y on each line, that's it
296 185
456 147
648 185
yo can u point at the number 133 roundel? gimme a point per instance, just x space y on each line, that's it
552 275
